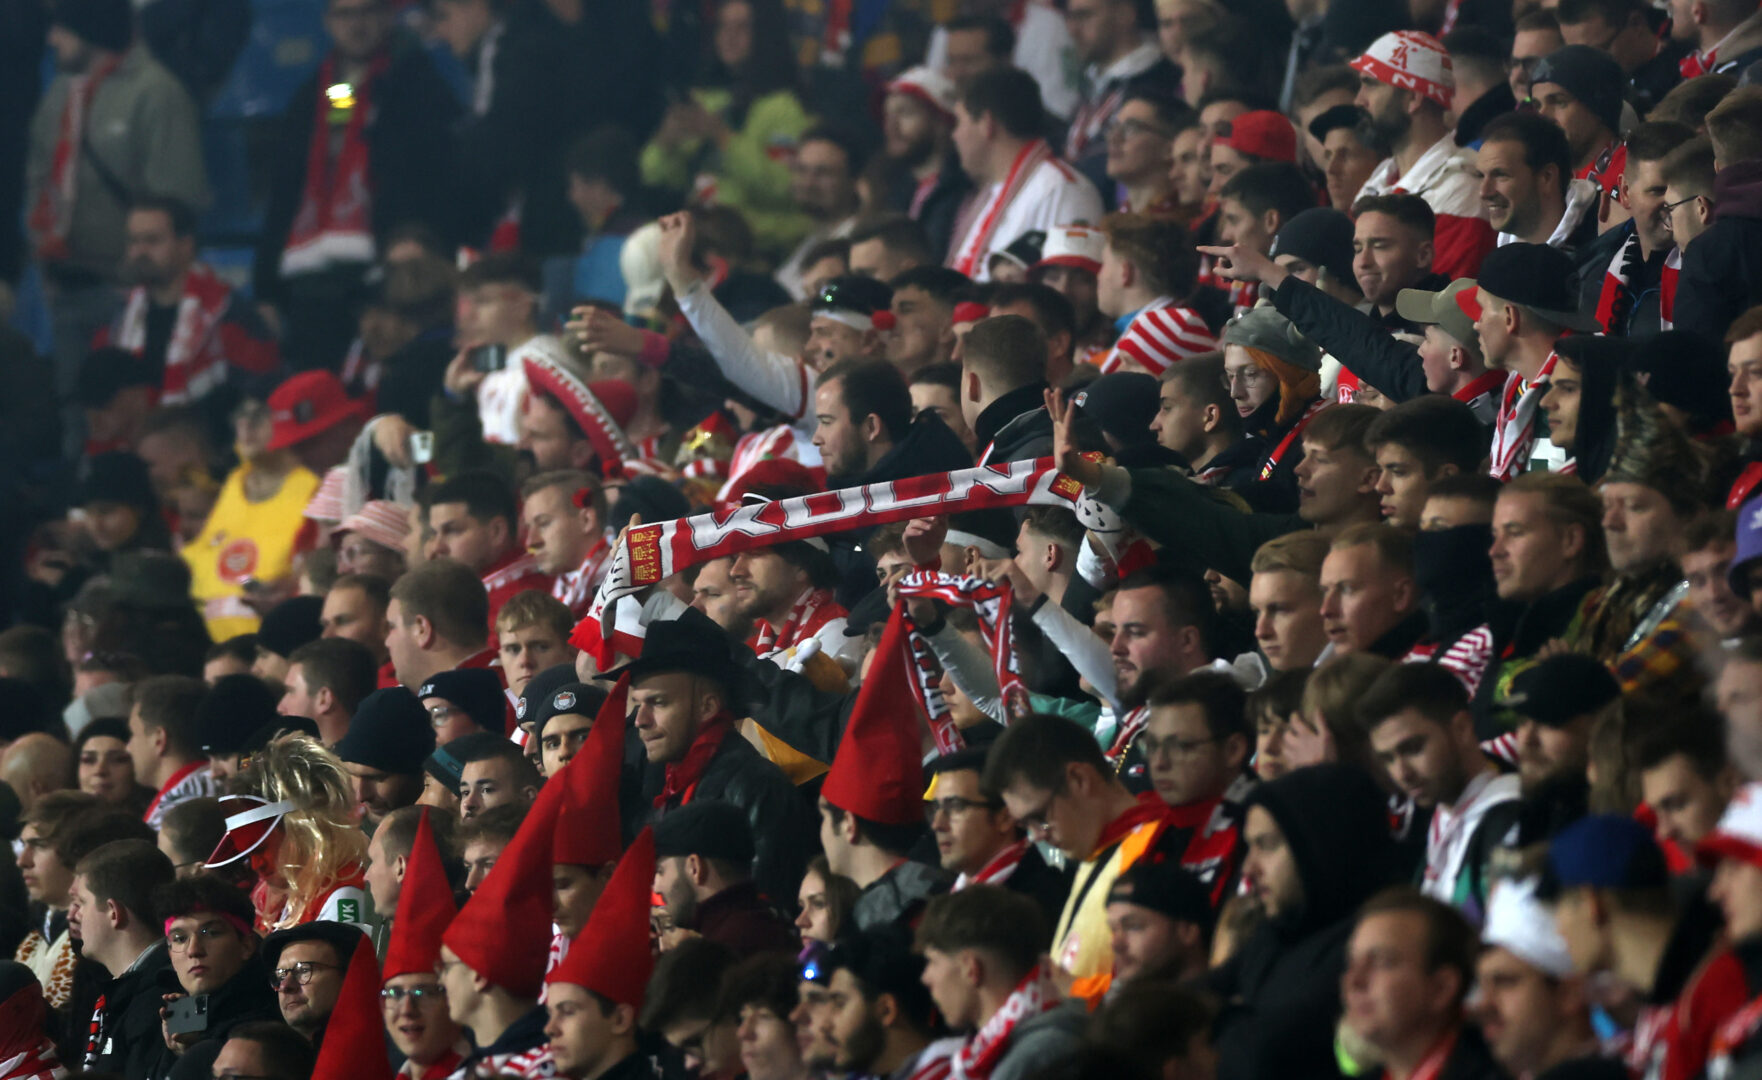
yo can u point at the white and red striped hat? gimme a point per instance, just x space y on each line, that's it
929 86
1077 246
327 501
380 520
600 420
1739 832
1410 60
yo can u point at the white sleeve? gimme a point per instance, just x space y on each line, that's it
970 668
777 380
1086 652
347 904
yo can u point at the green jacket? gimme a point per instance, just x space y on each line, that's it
751 171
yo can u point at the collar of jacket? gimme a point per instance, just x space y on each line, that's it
1400 638
1495 102
1548 616
997 415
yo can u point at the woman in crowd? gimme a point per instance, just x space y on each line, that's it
105 768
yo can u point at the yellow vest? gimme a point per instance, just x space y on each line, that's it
1083 947
241 540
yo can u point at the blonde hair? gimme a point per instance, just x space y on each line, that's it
322 845
1332 692
1298 552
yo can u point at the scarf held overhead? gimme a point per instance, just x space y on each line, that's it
991 601
647 554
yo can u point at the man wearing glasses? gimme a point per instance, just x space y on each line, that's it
306 965
214 953
978 840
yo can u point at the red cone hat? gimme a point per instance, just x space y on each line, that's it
878 773
425 907
354 1039
504 931
612 956
587 832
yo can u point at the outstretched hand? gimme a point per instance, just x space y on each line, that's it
1239 262
678 236
594 329
1065 454
924 538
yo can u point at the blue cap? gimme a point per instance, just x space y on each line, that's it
1604 851
1749 546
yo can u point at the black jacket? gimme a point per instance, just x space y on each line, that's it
1722 269
785 830
1281 991
526 1033
129 1039
409 150
1362 346
1016 427
1640 313
1495 102
897 896
1470 1059
245 997
941 207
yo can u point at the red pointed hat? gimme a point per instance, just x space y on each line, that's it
504 931
354 1040
611 956
595 419
425 907
878 773
588 832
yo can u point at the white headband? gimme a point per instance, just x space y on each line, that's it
991 549
856 320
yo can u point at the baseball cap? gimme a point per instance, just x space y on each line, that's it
1603 851
1263 134
1534 276
1441 308
1024 250
929 86
1560 689
1075 246
569 699
1739 832
1332 119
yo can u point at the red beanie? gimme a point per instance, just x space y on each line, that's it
878 773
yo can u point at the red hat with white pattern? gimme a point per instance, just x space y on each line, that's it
1076 246
380 520
598 418
1739 832
1410 60
929 86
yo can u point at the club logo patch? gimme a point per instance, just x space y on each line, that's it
564 700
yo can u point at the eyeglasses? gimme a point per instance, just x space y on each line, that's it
1126 128
178 941
1668 210
301 972
1179 748
394 996
1249 377
438 715
955 805
1035 821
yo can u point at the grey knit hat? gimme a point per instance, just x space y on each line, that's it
1265 329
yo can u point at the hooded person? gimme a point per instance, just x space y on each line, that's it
872 800
587 840
1274 375
1318 847
415 1009
597 992
494 952
1581 406
354 1040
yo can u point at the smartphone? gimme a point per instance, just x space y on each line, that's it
187 1014
421 447
251 585
489 358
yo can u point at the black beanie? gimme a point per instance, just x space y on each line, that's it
389 732
291 624
118 476
1320 237
1122 405
232 711
108 24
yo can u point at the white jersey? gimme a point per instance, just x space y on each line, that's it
1053 194
1453 827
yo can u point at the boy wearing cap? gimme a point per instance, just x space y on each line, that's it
1407 85
1148 268
1251 138
1556 705
1069 265
917 120
462 702
1159 917
1612 900
1350 153
1532 1010
561 720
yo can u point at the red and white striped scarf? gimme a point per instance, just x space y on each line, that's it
813 609
1035 995
575 587
1514 431
772 442
1090 121
991 601
648 553
194 361
1160 336
1616 299
1131 726
926 672
978 243
52 216
1667 289
998 870
334 223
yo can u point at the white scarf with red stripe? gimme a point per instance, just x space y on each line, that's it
1514 431
978 245
194 361
1035 995
813 609
1159 336
52 216
648 553
991 601
998 870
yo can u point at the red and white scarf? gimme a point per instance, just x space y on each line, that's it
575 587
978 245
1514 431
773 442
926 671
52 216
1667 289
991 601
998 870
195 363
1090 121
649 553
1034 996
1616 299
1160 336
813 609
1132 725
334 223
1291 438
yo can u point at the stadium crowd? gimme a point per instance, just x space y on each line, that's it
908 539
